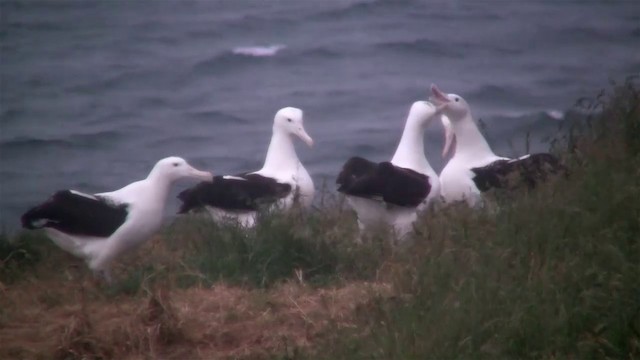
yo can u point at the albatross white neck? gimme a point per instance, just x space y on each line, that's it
469 140
281 153
410 151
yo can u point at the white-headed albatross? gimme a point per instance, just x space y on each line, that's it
100 227
474 168
394 191
280 183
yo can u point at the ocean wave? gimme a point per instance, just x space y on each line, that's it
359 8
549 37
83 141
11 114
247 24
221 62
313 55
111 81
241 57
555 114
545 116
108 139
318 52
517 128
489 47
215 117
422 46
44 26
29 143
500 95
227 60
181 142
258 51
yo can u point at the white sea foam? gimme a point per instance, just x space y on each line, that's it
552 113
258 51
555 114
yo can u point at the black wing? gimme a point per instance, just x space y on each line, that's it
234 194
77 214
354 169
395 185
509 174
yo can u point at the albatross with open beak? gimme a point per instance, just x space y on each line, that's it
474 168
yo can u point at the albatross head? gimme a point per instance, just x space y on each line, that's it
174 168
422 112
290 120
454 108
451 105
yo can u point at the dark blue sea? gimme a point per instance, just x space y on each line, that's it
93 93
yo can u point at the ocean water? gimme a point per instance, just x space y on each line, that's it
93 93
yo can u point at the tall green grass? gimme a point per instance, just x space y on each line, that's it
315 247
21 253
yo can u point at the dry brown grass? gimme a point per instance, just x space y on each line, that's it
68 320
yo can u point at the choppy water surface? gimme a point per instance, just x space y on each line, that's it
94 92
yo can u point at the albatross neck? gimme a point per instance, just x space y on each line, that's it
469 140
158 185
281 153
410 151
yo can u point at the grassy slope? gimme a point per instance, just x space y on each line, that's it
551 273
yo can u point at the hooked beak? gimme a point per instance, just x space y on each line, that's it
449 136
201 175
305 137
438 97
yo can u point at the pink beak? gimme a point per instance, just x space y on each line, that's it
438 96
449 136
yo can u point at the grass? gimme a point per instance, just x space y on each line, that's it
313 247
550 273
21 254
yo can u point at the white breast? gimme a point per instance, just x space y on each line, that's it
305 186
456 180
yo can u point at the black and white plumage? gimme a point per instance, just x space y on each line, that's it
280 183
100 227
528 170
244 192
474 168
76 213
383 181
394 191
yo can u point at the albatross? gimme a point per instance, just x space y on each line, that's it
394 191
281 182
474 168
100 227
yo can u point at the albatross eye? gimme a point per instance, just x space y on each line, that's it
457 99
175 164
289 120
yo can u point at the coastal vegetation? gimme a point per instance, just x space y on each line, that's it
551 272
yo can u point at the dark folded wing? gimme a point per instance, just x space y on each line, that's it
529 170
353 171
403 187
77 214
392 184
244 192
